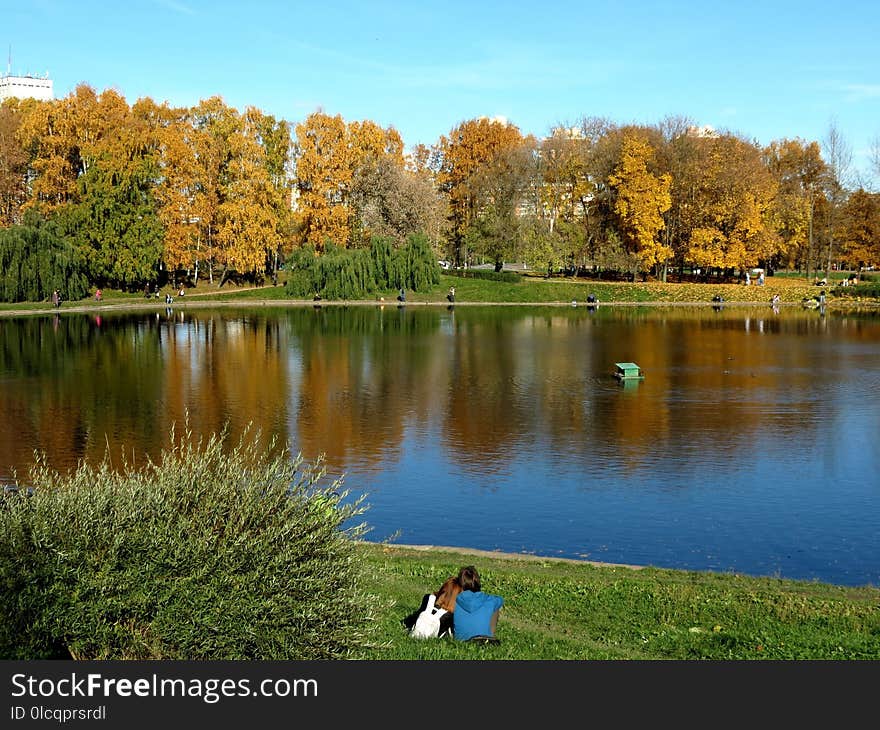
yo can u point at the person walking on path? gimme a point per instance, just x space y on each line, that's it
56 299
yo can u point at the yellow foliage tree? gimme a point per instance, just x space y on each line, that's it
249 228
641 199
861 229
323 176
731 206
13 164
798 169
178 190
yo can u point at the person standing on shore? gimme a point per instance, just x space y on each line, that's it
56 299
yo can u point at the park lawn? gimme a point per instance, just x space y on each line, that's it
569 610
528 290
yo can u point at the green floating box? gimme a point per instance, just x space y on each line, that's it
628 371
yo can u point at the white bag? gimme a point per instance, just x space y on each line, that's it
427 624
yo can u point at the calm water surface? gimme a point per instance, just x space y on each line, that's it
750 446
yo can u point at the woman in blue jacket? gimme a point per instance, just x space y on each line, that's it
476 613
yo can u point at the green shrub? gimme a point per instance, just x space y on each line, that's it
213 552
869 290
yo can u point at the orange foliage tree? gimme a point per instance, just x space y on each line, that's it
463 154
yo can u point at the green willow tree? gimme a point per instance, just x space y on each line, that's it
340 273
35 260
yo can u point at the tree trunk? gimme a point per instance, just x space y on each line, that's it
810 241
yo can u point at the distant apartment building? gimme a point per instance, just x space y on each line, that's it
25 87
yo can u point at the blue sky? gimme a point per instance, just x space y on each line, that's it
766 70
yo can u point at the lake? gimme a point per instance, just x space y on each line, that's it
751 445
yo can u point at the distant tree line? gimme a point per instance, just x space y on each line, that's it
146 192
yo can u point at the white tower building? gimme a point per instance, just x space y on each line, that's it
24 87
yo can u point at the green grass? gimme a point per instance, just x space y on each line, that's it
529 290
563 610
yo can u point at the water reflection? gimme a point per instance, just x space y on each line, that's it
508 417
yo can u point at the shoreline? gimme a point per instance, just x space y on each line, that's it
81 308
499 555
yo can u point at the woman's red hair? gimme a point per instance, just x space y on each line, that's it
448 593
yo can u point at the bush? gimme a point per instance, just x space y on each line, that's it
868 290
210 553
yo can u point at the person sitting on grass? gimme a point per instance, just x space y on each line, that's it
445 599
476 613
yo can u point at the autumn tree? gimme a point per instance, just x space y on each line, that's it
323 179
641 199
177 192
566 186
250 213
607 245
13 165
277 145
732 206
679 155
463 154
60 137
390 201
499 186
860 234
388 197
798 168
213 124
564 190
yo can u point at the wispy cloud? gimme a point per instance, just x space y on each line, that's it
498 68
861 92
176 7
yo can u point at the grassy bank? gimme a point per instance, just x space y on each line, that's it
215 554
565 610
529 290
